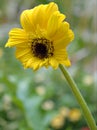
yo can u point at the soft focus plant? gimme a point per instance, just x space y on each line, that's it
22 86
43 43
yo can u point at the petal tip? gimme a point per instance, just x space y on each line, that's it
7 45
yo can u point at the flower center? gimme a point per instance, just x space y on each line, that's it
42 48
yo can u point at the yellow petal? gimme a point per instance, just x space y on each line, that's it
64 41
66 63
36 65
17 37
42 13
54 22
37 16
61 31
49 10
61 54
22 52
27 20
62 57
53 62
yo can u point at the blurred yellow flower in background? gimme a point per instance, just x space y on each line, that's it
40 90
64 111
43 39
58 122
88 80
48 105
74 115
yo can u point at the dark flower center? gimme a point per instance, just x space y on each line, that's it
42 48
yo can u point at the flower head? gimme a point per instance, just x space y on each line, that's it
43 39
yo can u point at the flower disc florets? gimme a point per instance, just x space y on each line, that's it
42 48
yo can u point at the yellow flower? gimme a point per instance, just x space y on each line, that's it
64 111
74 115
43 39
58 122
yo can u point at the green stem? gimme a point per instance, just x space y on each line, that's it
86 112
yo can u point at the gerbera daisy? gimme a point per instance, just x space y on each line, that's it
43 38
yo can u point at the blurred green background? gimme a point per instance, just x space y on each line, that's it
42 100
